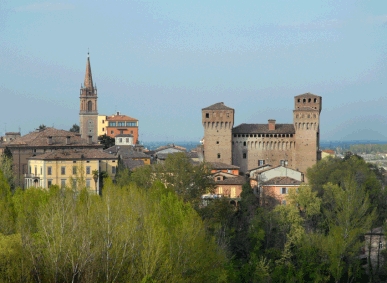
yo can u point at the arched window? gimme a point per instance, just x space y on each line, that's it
89 106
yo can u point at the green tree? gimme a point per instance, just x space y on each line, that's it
106 141
74 128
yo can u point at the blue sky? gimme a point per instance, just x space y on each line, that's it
163 61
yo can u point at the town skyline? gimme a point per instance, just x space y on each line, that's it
162 62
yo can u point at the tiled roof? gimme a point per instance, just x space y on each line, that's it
126 151
120 117
330 151
307 94
170 146
263 129
39 138
281 181
218 106
74 154
220 165
132 164
238 180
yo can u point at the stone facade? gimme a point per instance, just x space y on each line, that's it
248 146
88 114
218 122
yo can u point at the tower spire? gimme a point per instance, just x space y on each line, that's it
88 83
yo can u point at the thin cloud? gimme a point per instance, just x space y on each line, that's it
45 7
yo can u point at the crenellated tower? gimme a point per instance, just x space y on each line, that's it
88 114
306 119
218 121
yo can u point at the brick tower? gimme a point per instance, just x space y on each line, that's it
218 121
88 114
306 117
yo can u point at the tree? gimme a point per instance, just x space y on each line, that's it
74 128
6 166
106 141
42 127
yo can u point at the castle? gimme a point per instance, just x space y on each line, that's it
252 145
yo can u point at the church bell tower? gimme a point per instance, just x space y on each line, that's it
88 114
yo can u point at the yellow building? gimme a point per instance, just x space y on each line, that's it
102 124
69 168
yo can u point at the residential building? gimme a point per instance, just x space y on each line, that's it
71 168
118 124
252 145
40 142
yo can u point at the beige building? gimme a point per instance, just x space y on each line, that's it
71 168
251 145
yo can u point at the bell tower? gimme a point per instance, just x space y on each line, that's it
306 117
88 114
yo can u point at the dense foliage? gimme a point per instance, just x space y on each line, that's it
151 227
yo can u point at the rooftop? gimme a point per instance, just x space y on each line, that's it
74 154
218 106
263 129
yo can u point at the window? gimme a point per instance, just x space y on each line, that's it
113 170
49 170
207 115
63 170
244 155
87 183
127 140
121 124
244 143
103 129
261 162
63 183
41 170
112 124
49 183
218 178
217 142
87 169
218 155
112 132
284 191
74 170
283 162
120 139
380 245
131 124
131 132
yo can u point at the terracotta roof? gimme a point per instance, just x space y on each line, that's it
263 129
308 94
39 138
120 117
220 165
281 181
330 151
218 106
238 180
74 154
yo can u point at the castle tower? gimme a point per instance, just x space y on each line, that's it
88 114
306 117
218 121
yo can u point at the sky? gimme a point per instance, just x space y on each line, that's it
163 61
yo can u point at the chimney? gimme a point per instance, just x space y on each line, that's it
49 140
271 125
68 140
90 140
118 113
